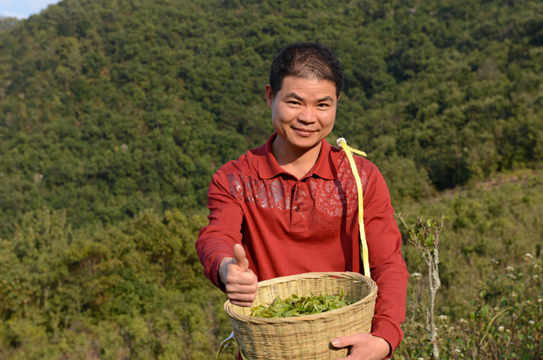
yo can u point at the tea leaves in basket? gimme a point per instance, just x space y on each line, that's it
298 306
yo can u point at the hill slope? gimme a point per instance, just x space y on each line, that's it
135 290
111 107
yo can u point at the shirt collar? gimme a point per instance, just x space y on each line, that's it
325 167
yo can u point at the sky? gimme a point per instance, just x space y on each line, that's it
22 9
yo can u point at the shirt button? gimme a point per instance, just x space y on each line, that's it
297 209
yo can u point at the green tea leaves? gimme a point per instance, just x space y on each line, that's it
298 306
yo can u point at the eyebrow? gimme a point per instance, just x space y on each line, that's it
294 95
326 98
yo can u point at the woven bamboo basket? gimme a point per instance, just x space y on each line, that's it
305 337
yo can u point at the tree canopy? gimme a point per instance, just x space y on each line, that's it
115 114
111 107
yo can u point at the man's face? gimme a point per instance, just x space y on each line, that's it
303 111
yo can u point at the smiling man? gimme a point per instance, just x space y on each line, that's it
290 206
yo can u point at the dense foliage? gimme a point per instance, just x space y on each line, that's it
111 107
7 22
491 268
136 291
132 291
115 114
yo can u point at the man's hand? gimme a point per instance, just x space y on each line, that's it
363 347
240 281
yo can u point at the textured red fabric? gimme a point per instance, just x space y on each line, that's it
289 226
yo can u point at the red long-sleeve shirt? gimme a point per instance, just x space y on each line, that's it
289 226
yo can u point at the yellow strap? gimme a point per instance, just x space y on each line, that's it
226 343
364 248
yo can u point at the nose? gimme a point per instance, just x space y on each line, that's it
307 115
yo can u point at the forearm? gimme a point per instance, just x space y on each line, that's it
212 251
216 241
388 268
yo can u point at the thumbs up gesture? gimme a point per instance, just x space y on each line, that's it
240 281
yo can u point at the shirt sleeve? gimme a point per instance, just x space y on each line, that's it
216 241
387 266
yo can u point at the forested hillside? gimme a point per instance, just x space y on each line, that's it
7 23
111 107
115 114
136 291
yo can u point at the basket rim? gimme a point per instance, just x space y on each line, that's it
312 275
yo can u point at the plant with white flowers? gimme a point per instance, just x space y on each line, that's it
424 235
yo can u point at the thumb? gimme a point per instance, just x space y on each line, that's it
344 341
240 258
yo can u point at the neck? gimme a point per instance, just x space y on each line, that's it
295 161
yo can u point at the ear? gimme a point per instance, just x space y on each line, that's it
269 95
338 96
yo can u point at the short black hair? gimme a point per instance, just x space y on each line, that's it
306 60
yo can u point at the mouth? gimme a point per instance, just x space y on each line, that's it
304 132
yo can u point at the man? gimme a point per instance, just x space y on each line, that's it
290 206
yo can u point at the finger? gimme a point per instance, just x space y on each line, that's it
345 341
248 286
243 283
242 299
242 303
241 289
239 257
249 271
235 276
341 343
